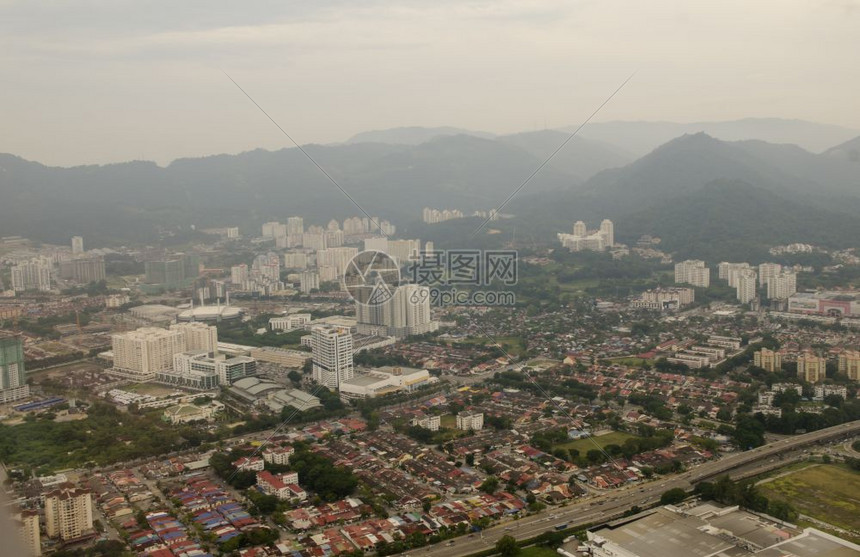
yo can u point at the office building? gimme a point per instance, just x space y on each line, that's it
13 378
811 368
766 271
28 531
849 364
693 272
77 245
68 513
83 270
332 355
33 274
139 355
289 322
473 421
203 371
768 360
745 285
782 286
198 336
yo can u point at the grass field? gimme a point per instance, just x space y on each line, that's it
830 493
149 389
448 420
585 445
537 551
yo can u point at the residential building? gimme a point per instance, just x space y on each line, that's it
768 360
579 229
83 270
198 336
782 286
849 364
811 368
280 485
406 313
68 513
607 230
309 281
77 245
745 285
767 271
252 463
693 272
28 530
332 355
33 274
433 423
663 299
239 274
473 421
139 355
336 257
278 455
295 260
728 271
13 378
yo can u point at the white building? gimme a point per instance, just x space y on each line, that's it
579 229
68 513
693 272
383 381
782 286
290 322
745 285
308 281
662 299
295 260
198 336
433 423
278 455
139 355
607 229
204 370
338 258
332 355
406 313
28 530
470 421
239 274
34 274
766 271
252 463
77 245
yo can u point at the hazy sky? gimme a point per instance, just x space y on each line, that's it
110 80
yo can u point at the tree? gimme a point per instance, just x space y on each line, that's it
490 485
507 546
673 496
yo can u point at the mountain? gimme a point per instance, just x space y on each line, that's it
848 151
140 201
640 138
734 221
413 135
580 157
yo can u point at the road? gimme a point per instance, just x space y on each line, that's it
612 505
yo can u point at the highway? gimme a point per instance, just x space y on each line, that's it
612 505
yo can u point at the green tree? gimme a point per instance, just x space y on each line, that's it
507 546
673 496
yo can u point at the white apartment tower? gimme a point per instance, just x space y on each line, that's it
68 513
198 336
607 229
77 245
782 285
406 313
139 355
28 529
766 271
34 274
693 272
745 285
579 229
332 355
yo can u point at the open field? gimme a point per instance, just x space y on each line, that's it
149 389
585 445
829 492
537 551
448 420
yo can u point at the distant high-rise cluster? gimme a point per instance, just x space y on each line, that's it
583 239
435 216
32 274
406 313
693 271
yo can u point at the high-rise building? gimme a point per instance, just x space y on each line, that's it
34 274
173 272
849 364
745 285
607 229
308 281
768 360
782 286
28 530
83 270
376 244
68 512
314 240
139 355
406 313
579 229
811 368
403 250
470 421
238 274
766 271
77 245
338 258
295 226
332 351
693 272
198 336
731 271
269 229
13 378
295 260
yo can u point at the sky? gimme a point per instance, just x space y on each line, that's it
100 81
